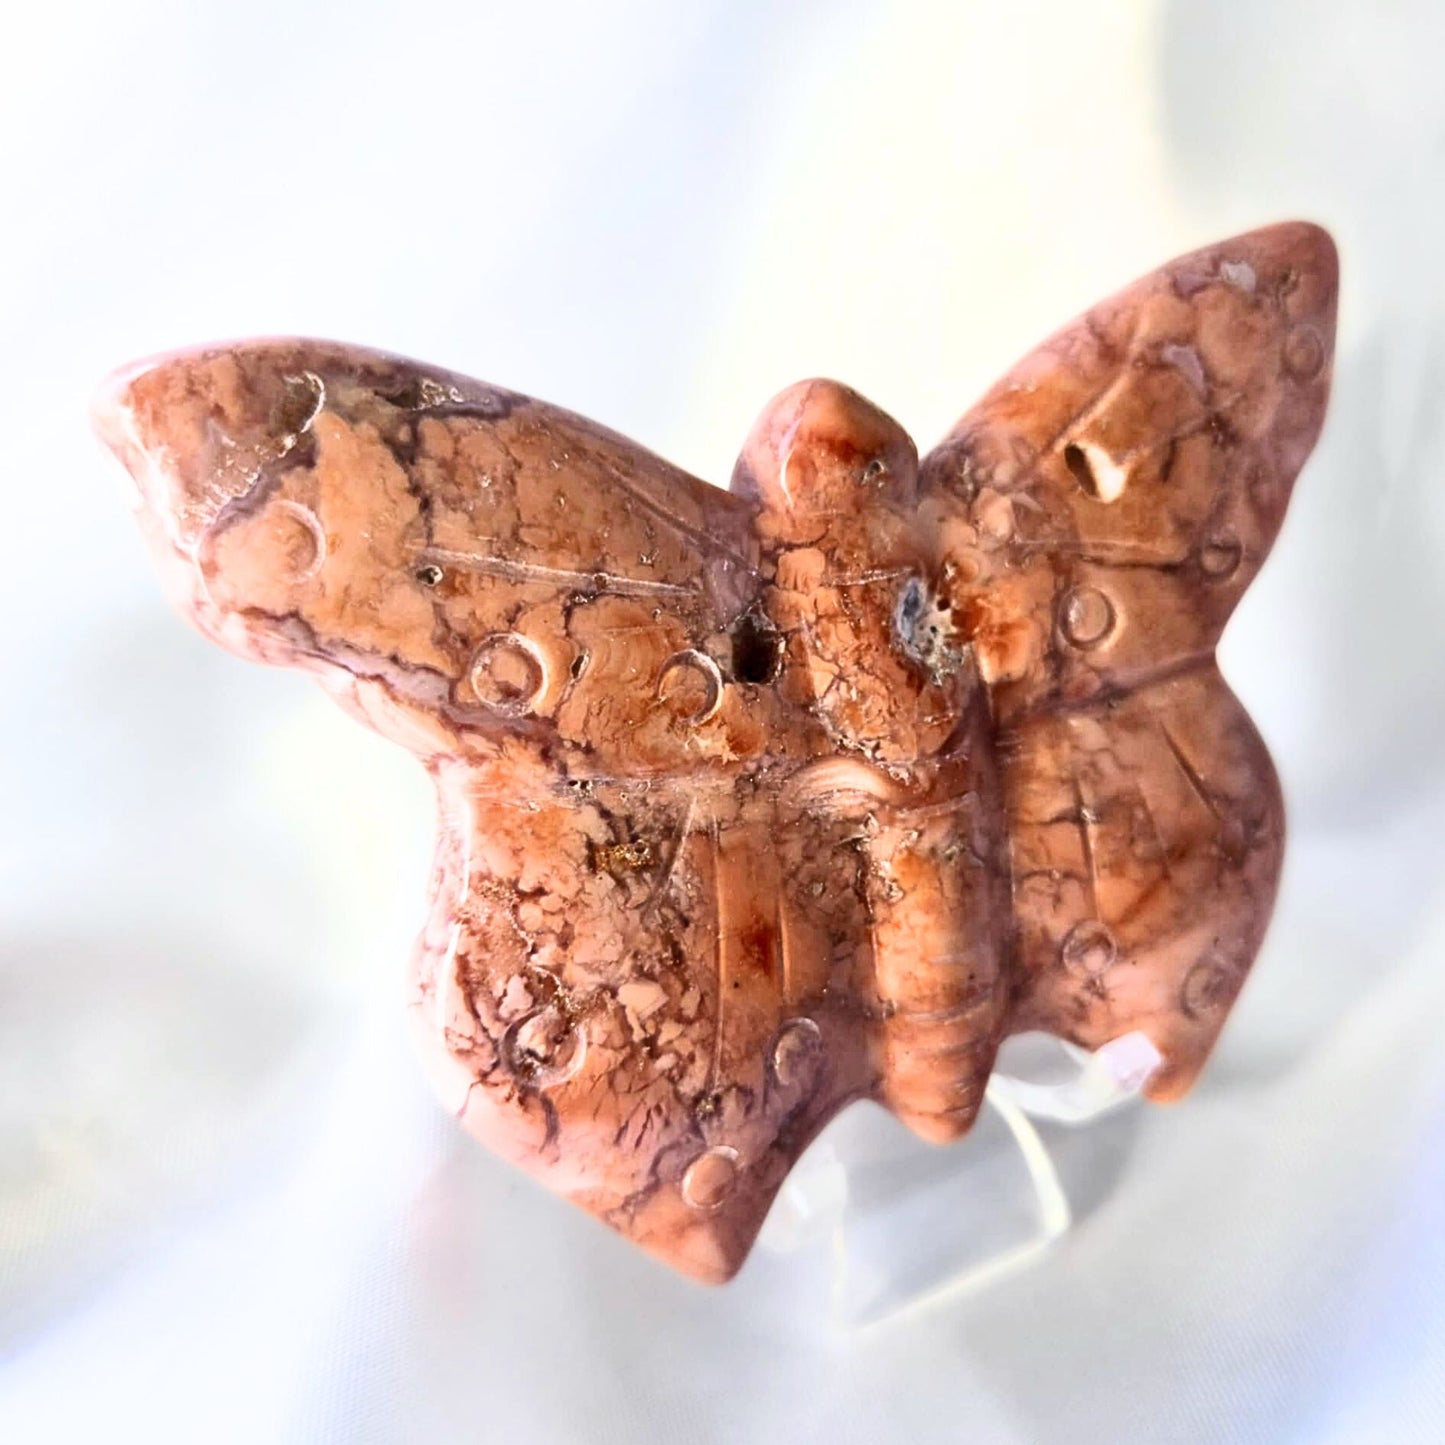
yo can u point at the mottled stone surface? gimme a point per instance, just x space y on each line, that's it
757 802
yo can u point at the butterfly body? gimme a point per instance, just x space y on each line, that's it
754 803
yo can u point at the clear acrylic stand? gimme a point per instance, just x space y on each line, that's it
905 1223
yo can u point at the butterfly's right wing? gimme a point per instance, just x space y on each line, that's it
1099 515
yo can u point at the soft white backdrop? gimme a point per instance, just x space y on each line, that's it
229 1211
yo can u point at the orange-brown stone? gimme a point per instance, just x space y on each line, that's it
754 803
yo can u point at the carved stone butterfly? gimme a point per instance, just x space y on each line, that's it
757 802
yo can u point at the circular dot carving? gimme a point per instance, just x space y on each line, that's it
1206 988
691 680
797 1051
1220 557
1304 353
1089 949
710 1179
1087 617
299 537
508 674
545 1048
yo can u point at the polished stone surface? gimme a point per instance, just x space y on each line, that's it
755 803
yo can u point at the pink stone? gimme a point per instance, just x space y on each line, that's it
755 803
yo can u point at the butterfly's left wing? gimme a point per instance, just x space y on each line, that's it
628 983
1099 515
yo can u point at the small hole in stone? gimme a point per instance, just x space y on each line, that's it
757 650
1078 465
429 575
874 471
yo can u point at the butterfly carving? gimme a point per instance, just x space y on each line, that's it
757 802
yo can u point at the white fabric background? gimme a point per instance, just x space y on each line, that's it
229 1211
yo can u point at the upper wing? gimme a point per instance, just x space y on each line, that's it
495 565
1126 479
1101 512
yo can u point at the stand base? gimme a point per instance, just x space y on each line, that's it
906 1224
